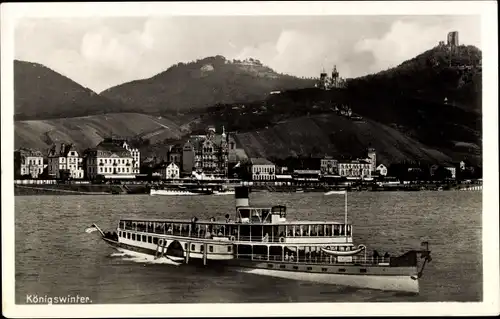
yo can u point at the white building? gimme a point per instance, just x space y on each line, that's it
453 171
170 171
382 170
358 169
372 156
136 156
329 166
262 169
110 160
28 162
65 160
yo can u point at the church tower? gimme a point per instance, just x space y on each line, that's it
372 155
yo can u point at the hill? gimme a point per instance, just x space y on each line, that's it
451 73
88 131
428 108
337 136
41 93
200 84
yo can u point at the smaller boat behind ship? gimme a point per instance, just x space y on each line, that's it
262 241
177 190
223 190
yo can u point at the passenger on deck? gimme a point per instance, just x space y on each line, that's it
228 220
292 257
286 256
265 238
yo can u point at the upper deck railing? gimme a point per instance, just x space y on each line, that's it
241 231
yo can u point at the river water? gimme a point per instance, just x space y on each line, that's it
56 257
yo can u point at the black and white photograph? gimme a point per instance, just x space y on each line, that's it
250 158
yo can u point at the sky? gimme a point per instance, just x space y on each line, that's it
99 53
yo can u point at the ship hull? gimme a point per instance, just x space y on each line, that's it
401 283
360 276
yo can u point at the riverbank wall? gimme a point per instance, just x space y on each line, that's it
79 189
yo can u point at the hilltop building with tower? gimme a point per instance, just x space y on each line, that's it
452 40
327 83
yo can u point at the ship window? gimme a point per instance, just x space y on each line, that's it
201 248
144 238
348 230
324 269
229 248
133 236
328 230
295 267
128 235
313 230
309 268
336 230
185 246
362 270
211 248
282 266
270 265
155 240
150 240
119 233
193 247
342 270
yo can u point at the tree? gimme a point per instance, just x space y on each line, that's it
441 174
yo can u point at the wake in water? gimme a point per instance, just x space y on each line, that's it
143 258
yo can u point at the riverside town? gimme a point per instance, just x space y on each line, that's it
282 165
218 159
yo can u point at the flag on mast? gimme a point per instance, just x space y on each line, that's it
91 229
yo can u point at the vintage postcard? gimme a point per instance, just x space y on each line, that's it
214 159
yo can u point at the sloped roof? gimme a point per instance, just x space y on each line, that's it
260 161
110 148
61 149
29 152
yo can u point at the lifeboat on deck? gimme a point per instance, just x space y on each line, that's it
343 253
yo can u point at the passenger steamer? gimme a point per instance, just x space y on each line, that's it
261 241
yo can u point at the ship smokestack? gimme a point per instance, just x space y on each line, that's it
241 196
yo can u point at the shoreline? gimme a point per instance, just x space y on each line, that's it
134 189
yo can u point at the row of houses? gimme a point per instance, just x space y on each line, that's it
262 169
203 156
111 158
206 154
